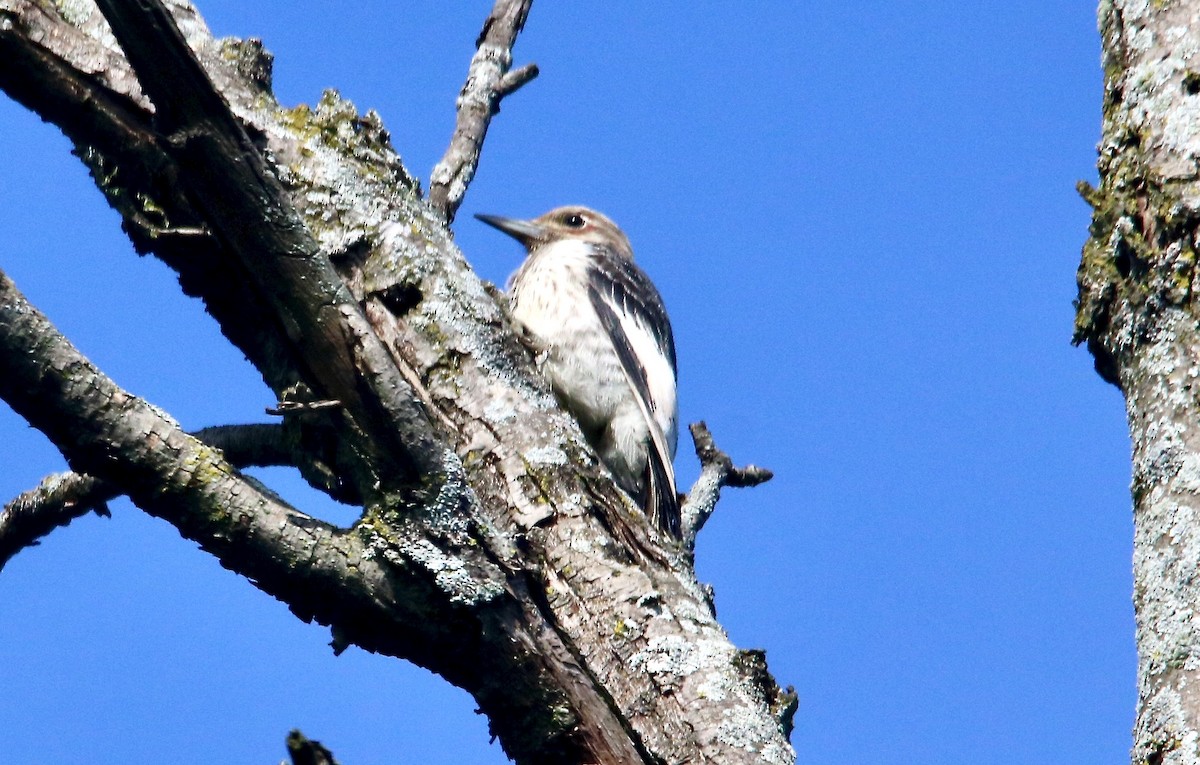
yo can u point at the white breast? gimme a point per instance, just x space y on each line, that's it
549 296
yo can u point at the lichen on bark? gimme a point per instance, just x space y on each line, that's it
493 548
1138 312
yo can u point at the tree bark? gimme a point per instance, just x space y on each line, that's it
492 549
1137 311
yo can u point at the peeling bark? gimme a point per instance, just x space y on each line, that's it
492 548
1137 312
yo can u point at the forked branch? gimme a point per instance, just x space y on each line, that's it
716 471
489 80
517 584
106 432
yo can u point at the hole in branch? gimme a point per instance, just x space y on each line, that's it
1123 259
1191 83
400 298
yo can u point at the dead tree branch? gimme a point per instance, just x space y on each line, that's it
716 471
489 80
63 497
492 548
53 503
105 432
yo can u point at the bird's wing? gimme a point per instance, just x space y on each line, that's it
626 302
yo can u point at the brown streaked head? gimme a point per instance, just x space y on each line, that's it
573 222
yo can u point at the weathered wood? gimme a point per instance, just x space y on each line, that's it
520 573
1138 314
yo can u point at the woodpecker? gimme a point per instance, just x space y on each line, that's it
607 343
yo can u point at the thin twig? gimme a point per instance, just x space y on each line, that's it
716 471
488 81
302 407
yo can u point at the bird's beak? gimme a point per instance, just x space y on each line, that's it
524 231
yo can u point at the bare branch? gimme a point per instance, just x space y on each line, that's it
105 432
302 407
63 497
57 500
716 471
488 82
517 585
515 80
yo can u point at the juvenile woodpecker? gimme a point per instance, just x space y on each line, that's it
609 352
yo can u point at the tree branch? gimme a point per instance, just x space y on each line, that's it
63 497
513 81
517 582
107 433
488 82
56 501
716 471
226 178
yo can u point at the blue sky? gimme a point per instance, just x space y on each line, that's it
863 220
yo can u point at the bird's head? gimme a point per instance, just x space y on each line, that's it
571 223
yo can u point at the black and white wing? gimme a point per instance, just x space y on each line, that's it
633 315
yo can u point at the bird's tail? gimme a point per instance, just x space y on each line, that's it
661 503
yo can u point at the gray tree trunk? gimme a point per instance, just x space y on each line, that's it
1138 312
492 548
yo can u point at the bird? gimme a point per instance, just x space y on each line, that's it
606 345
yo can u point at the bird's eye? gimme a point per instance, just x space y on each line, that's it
574 220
